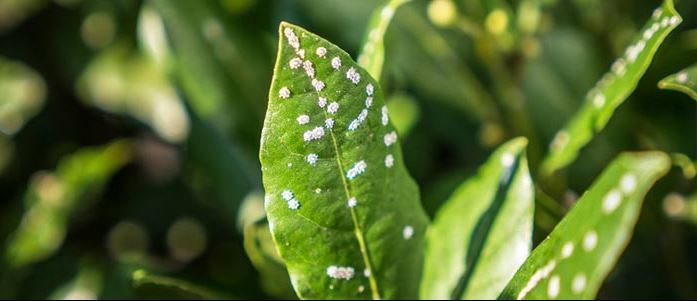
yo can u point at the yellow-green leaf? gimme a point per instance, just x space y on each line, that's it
684 81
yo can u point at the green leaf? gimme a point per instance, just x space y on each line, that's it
483 233
173 287
23 92
327 145
573 261
611 91
52 197
262 252
684 81
373 53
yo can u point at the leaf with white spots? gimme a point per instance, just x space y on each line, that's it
573 261
483 233
340 201
684 81
611 91
373 52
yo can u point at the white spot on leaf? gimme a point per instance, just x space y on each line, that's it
408 232
507 160
357 169
338 272
553 287
590 240
329 123
578 284
599 100
293 204
390 138
292 38
369 89
322 102
681 77
303 119
336 63
309 70
287 195
318 84
312 159
333 107
356 122
295 63
284 93
385 115
321 51
353 76
611 201
389 160
567 250
368 101
313 134
628 183
540 274
352 202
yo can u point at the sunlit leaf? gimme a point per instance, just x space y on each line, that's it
573 261
684 81
404 112
23 91
372 54
86 285
342 209
262 252
611 91
52 197
123 82
483 233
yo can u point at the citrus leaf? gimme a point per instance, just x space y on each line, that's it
52 197
343 211
611 91
483 233
573 261
684 81
373 54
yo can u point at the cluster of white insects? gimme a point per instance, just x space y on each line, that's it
611 201
619 67
316 133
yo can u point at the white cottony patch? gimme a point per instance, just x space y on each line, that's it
309 70
356 122
540 274
567 250
333 107
368 101
553 287
353 76
655 27
295 63
356 170
361 289
318 84
665 21
284 93
590 240
329 123
314 134
408 232
387 12
321 51
390 138
369 89
385 115
292 38
290 165
611 201
366 273
336 63
293 204
599 100
338 272
301 53
287 195
389 160
628 183
674 20
318 190
322 102
507 160
618 67
634 50
681 77
578 284
352 202
303 119
311 158
656 13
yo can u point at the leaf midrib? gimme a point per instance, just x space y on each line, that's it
357 228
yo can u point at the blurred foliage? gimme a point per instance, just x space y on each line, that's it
144 116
